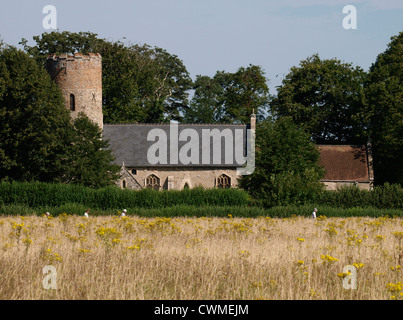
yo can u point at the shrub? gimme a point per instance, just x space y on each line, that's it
382 197
38 194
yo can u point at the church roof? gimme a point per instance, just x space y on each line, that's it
130 146
345 162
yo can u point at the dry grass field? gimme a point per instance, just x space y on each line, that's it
200 258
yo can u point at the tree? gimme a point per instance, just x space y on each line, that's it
32 119
287 169
206 105
90 159
229 97
384 92
61 42
245 92
38 141
140 83
163 83
325 97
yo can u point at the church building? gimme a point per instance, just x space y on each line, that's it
177 156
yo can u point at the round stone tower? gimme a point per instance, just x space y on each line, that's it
80 78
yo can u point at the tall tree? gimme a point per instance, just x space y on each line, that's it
206 105
32 119
163 83
384 92
90 159
287 169
326 98
245 92
37 138
140 83
229 97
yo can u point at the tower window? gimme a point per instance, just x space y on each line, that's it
153 182
134 171
72 102
224 182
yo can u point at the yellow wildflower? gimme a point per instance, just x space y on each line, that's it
328 259
343 274
358 265
394 287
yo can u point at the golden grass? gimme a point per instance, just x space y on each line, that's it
200 258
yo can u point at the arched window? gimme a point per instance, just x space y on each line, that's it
124 184
186 186
153 182
72 102
223 182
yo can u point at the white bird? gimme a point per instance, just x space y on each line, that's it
86 214
124 213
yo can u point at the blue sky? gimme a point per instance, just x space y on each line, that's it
211 35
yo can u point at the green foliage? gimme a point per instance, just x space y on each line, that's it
38 141
384 93
140 83
229 97
90 161
333 101
60 42
38 198
326 98
32 119
39 194
205 106
383 197
286 166
207 211
330 211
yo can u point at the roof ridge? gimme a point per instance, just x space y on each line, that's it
167 124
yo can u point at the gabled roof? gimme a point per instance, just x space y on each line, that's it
129 144
345 162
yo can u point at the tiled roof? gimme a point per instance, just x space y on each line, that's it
129 144
344 163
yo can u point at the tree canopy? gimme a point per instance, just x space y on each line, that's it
326 98
229 97
384 93
287 169
333 102
90 160
38 141
140 83
32 118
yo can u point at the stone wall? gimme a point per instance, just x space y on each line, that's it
177 178
81 76
334 185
